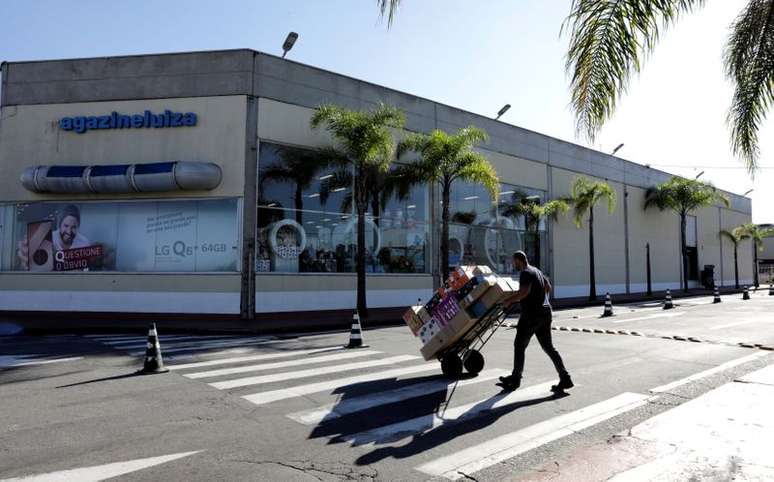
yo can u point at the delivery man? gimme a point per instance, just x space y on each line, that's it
534 289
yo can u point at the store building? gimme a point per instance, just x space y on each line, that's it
186 183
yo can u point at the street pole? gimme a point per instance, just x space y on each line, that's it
647 257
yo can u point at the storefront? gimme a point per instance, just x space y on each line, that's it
191 183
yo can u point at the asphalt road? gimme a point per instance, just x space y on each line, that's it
301 408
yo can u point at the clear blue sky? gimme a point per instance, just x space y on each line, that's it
473 55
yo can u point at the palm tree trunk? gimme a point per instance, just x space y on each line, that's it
684 250
299 204
755 267
736 268
536 246
592 271
445 232
361 203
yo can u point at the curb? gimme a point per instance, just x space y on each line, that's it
690 339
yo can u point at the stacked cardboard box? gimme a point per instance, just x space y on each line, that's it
469 293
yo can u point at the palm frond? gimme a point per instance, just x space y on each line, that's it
749 62
477 169
608 40
390 8
585 194
732 236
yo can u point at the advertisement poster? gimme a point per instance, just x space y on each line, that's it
181 236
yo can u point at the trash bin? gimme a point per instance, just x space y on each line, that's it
708 276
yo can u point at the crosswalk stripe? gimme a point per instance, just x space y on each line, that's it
262 398
349 406
239 359
121 343
128 338
276 377
703 374
271 366
395 431
192 341
472 459
205 346
102 472
24 360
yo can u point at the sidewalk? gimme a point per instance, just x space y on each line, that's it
583 301
725 434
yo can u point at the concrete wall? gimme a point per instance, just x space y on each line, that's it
30 135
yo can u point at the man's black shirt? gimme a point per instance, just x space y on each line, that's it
536 301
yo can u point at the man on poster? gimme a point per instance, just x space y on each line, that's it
66 237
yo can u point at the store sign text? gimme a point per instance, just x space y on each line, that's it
148 119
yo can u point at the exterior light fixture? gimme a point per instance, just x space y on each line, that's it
748 192
338 189
289 41
503 111
505 193
327 176
470 198
699 175
617 149
410 206
317 194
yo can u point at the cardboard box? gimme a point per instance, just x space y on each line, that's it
429 330
483 283
448 335
424 315
413 320
497 293
477 309
446 309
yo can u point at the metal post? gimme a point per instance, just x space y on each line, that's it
647 257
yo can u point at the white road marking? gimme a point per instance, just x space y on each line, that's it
204 346
698 376
621 310
239 359
415 426
28 360
102 472
127 338
175 339
292 363
652 317
481 456
262 398
191 342
349 406
277 377
743 322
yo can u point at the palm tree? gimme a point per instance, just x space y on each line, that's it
683 196
756 234
366 144
585 195
736 236
299 167
609 41
533 213
443 159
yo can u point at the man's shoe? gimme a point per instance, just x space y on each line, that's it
510 382
564 384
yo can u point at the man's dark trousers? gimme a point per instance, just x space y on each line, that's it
538 324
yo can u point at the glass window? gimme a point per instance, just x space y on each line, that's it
132 236
481 232
307 220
